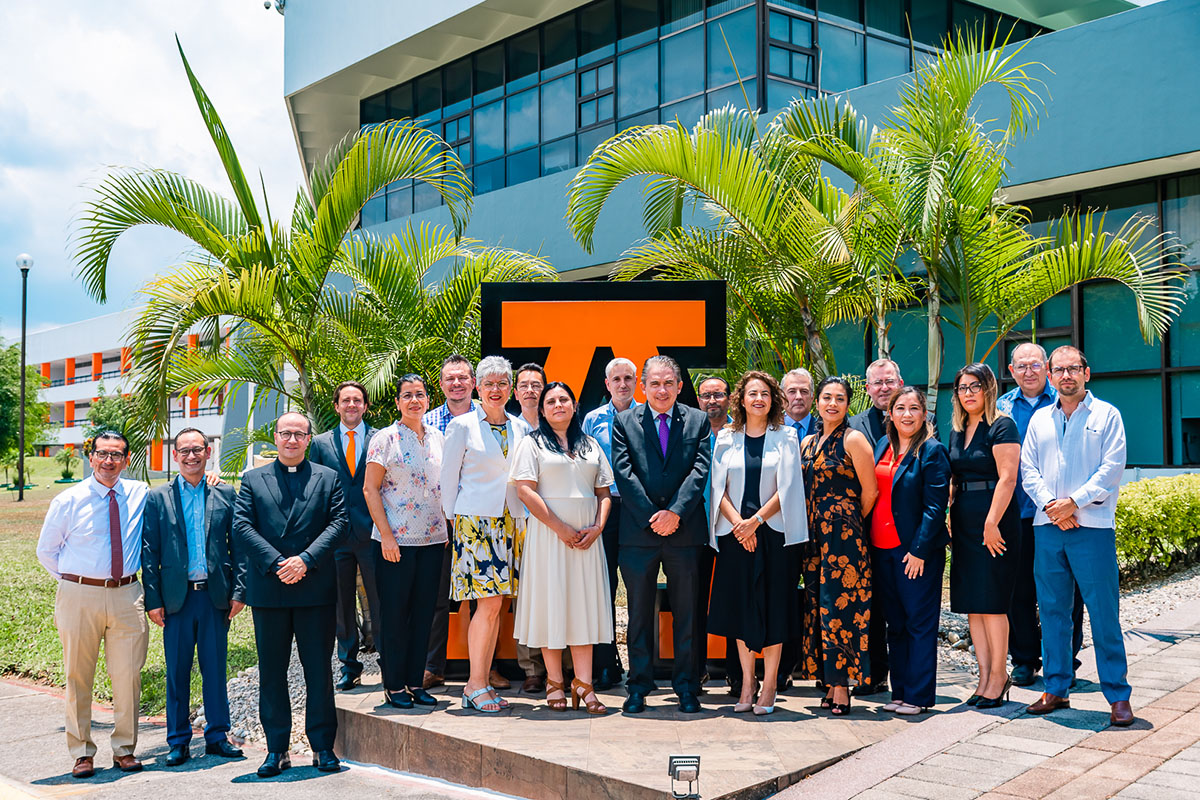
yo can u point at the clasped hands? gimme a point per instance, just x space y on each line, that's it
580 539
1062 513
291 570
664 522
745 530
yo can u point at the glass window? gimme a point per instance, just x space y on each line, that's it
637 81
779 26
909 336
887 16
1140 402
687 112
429 94
718 7
489 177
735 95
1111 339
523 167
522 120
400 102
489 131
489 74
1123 203
597 31
637 22
1056 312
373 110
970 19
1042 212
374 211
841 58
780 94
425 197
846 340
589 140
799 5
523 60
930 22
1184 336
1185 419
648 118
559 50
845 10
731 34
802 32
464 152
558 156
679 14
790 64
558 108
790 29
457 86
885 59
1181 215
683 65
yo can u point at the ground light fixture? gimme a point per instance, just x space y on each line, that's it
684 770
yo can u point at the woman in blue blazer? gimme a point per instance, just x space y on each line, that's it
908 538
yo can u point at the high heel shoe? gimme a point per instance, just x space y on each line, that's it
996 702
973 699
469 701
742 708
557 703
580 691
762 711
840 709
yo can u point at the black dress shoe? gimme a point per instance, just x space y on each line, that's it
1023 675
400 699
274 764
326 761
689 703
866 689
422 697
179 755
634 704
222 748
607 679
347 682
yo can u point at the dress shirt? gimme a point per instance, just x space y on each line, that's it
1017 405
75 536
360 435
803 427
1081 457
598 425
193 498
440 417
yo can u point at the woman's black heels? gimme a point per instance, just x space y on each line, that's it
995 702
840 709
973 699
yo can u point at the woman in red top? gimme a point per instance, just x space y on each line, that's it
908 539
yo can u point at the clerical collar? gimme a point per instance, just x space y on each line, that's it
289 469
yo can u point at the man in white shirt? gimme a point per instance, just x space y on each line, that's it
91 541
1071 465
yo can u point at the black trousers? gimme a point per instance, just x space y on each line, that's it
347 562
605 656
312 627
407 596
1024 628
439 629
877 633
733 667
639 569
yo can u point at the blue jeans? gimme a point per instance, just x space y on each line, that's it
1086 557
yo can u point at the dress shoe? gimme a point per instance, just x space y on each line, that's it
222 748
498 681
1023 675
431 681
1122 714
534 684
347 682
867 689
274 764
84 768
422 697
607 679
1047 703
689 703
179 755
399 699
326 761
634 704
127 763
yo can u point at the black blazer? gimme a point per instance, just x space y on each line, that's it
326 449
267 529
165 553
870 424
920 494
649 482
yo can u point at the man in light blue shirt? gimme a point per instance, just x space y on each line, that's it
1071 466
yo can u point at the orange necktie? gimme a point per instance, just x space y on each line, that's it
350 459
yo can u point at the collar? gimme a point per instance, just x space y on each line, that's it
805 420
184 486
1047 391
360 431
286 470
670 412
101 490
612 410
1088 397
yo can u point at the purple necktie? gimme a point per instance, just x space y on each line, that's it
114 536
664 432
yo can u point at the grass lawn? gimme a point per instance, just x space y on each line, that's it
29 644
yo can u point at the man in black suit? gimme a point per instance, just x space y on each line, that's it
193 589
660 459
344 450
289 520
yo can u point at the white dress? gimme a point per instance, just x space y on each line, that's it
564 592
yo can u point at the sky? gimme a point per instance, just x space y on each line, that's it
89 86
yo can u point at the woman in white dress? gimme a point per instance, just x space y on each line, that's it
562 478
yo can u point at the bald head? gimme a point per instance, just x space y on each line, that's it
292 432
1029 368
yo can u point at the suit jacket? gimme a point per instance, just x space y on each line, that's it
870 424
326 449
165 550
270 525
780 473
475 469
920 494
649 481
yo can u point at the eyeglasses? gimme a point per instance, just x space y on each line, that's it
107 455
414 396
1070 369
891 383
191 451
293 436
491 386
970 388
1031 366
714 395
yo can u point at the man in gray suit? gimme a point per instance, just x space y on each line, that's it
193 590
344 450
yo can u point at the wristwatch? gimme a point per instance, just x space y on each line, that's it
761 521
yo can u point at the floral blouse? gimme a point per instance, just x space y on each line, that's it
411 488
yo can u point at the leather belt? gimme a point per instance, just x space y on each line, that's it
198 586
107 583
975 486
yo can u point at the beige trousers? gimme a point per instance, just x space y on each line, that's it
87 616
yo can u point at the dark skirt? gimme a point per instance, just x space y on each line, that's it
979 582
755 596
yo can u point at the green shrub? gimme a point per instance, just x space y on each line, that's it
1158 523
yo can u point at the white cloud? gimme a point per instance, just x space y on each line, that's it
89 86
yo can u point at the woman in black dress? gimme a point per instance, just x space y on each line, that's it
839 474
756 476
985 525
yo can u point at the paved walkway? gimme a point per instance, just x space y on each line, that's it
1006 754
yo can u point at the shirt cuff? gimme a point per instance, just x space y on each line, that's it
307 559
1081 496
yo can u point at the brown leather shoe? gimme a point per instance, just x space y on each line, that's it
1047 703
1122 714
534 684
498 681
84 767
430 680
127 764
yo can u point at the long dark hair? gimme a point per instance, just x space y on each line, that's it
846 387
921 435
578 442
738 405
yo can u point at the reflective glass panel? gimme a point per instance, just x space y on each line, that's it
637 81
489 73
1181 215
429 94
738 39
887 16
779 26
846 339
374 211
1056 312
885 59
841 59
970 19
846 10
400 102
589 140
780 95
587 113
683 65
523 60
1185 419
489 131
802 32
1110 330
456 79
718 7
1184 335
425 197
559 43
558 156
637 22
687 112
1123 203
678 14
930 22
798 5
1140 402
522 120
604 107
735 95
558 108
373 110
523 167
597 31
489 177
1042 212
649 118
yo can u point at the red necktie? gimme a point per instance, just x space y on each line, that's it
114 536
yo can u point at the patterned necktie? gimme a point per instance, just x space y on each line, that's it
114 536
664 432
350 459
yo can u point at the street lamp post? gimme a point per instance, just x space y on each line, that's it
24 262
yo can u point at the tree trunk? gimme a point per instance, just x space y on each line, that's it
818 364
934 301
883 344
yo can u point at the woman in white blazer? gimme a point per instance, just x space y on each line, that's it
757 512
489 520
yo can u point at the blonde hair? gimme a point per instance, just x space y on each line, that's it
981 371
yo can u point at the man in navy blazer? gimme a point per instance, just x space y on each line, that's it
660 456
344 450
193 589
290 518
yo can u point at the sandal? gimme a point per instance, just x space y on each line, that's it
580 691
468 701
840 709
500 700
558 703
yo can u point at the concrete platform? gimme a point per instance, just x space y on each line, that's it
532 752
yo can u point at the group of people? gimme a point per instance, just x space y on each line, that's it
781 522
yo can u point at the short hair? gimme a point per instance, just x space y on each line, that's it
299 414
1013 354
661 361
175 441
110 434
410 377
532 367
707 378
337 393
798 372
983 373
737 405
882 362
619 362
493 365
455 358
1067 349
